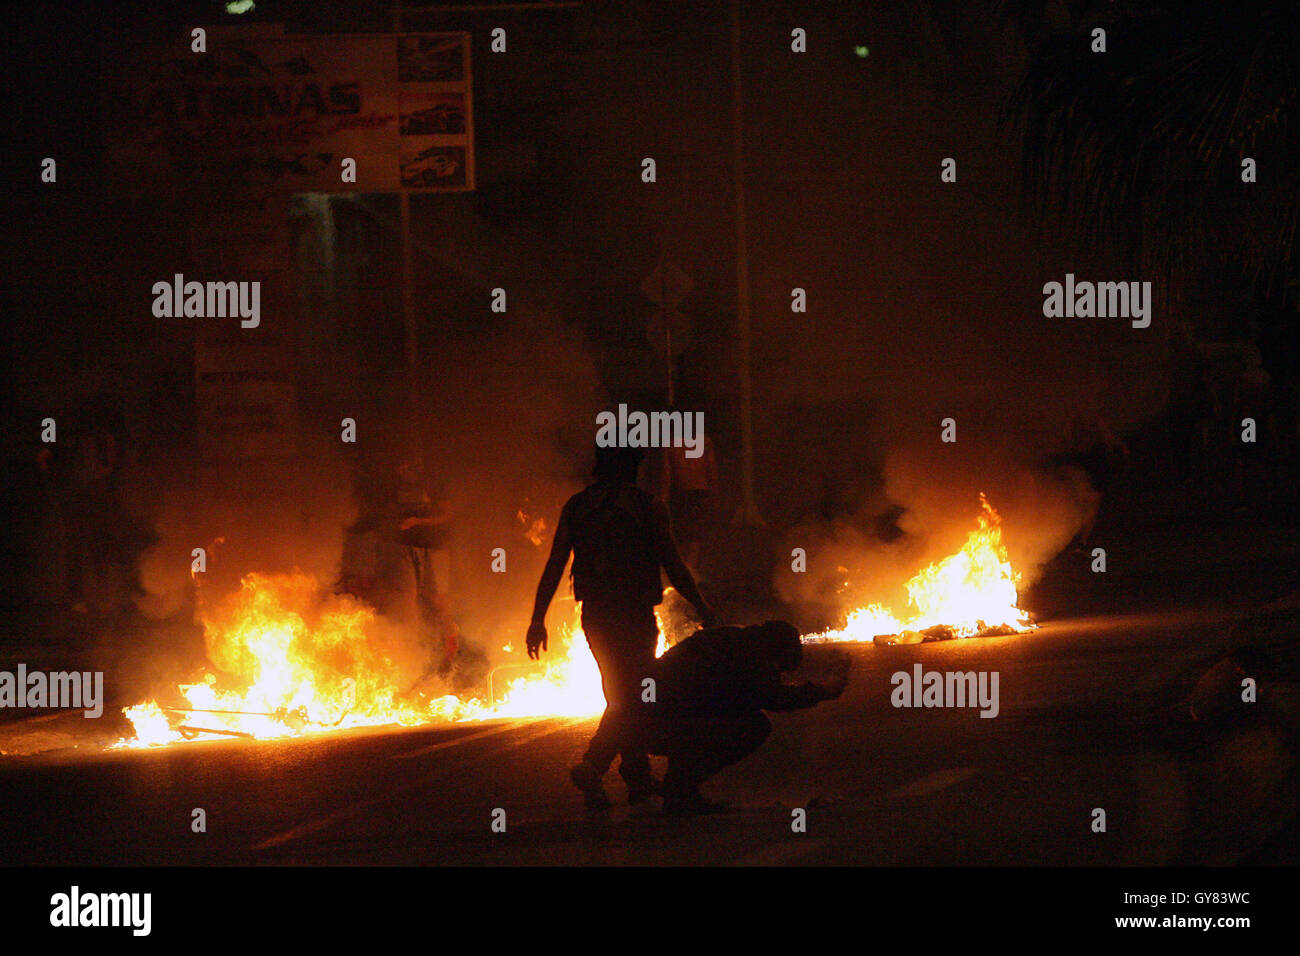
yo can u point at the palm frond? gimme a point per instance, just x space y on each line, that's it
1142 145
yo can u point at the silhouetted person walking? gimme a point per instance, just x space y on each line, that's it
620 538
690 488
712 689
421 523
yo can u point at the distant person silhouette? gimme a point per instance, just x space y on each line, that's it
711 691
690 487
620 538
420 522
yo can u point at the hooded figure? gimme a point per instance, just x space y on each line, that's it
711 691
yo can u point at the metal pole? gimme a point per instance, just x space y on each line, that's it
408 295
408 320
668 327
748 513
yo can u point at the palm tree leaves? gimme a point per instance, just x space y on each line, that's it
1142 145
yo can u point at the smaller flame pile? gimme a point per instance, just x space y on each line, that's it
967 594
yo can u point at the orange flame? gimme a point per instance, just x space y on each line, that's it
534 528
286 663
973 591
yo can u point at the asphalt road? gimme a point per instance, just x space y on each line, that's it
1090 717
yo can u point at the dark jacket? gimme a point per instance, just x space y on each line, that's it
615 556
720 671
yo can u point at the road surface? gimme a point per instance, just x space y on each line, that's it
1089 718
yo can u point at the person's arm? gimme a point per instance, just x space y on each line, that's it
779 696
440 513
785 697
550 580
441 516
679 575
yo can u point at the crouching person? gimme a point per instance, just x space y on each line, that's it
711 690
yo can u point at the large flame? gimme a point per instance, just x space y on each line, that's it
967 593
285 662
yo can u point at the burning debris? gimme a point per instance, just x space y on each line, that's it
971 593
291 663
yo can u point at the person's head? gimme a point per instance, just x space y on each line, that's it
617 465
778 642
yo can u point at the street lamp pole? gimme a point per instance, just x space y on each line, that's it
748 512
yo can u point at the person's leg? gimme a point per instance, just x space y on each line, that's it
736 739
604 743
418 559
448 629
623 644
440 624
700 748
641 633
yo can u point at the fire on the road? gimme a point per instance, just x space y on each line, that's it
291 664
288 669
971 592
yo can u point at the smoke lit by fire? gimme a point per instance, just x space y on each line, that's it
971 592
534 528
